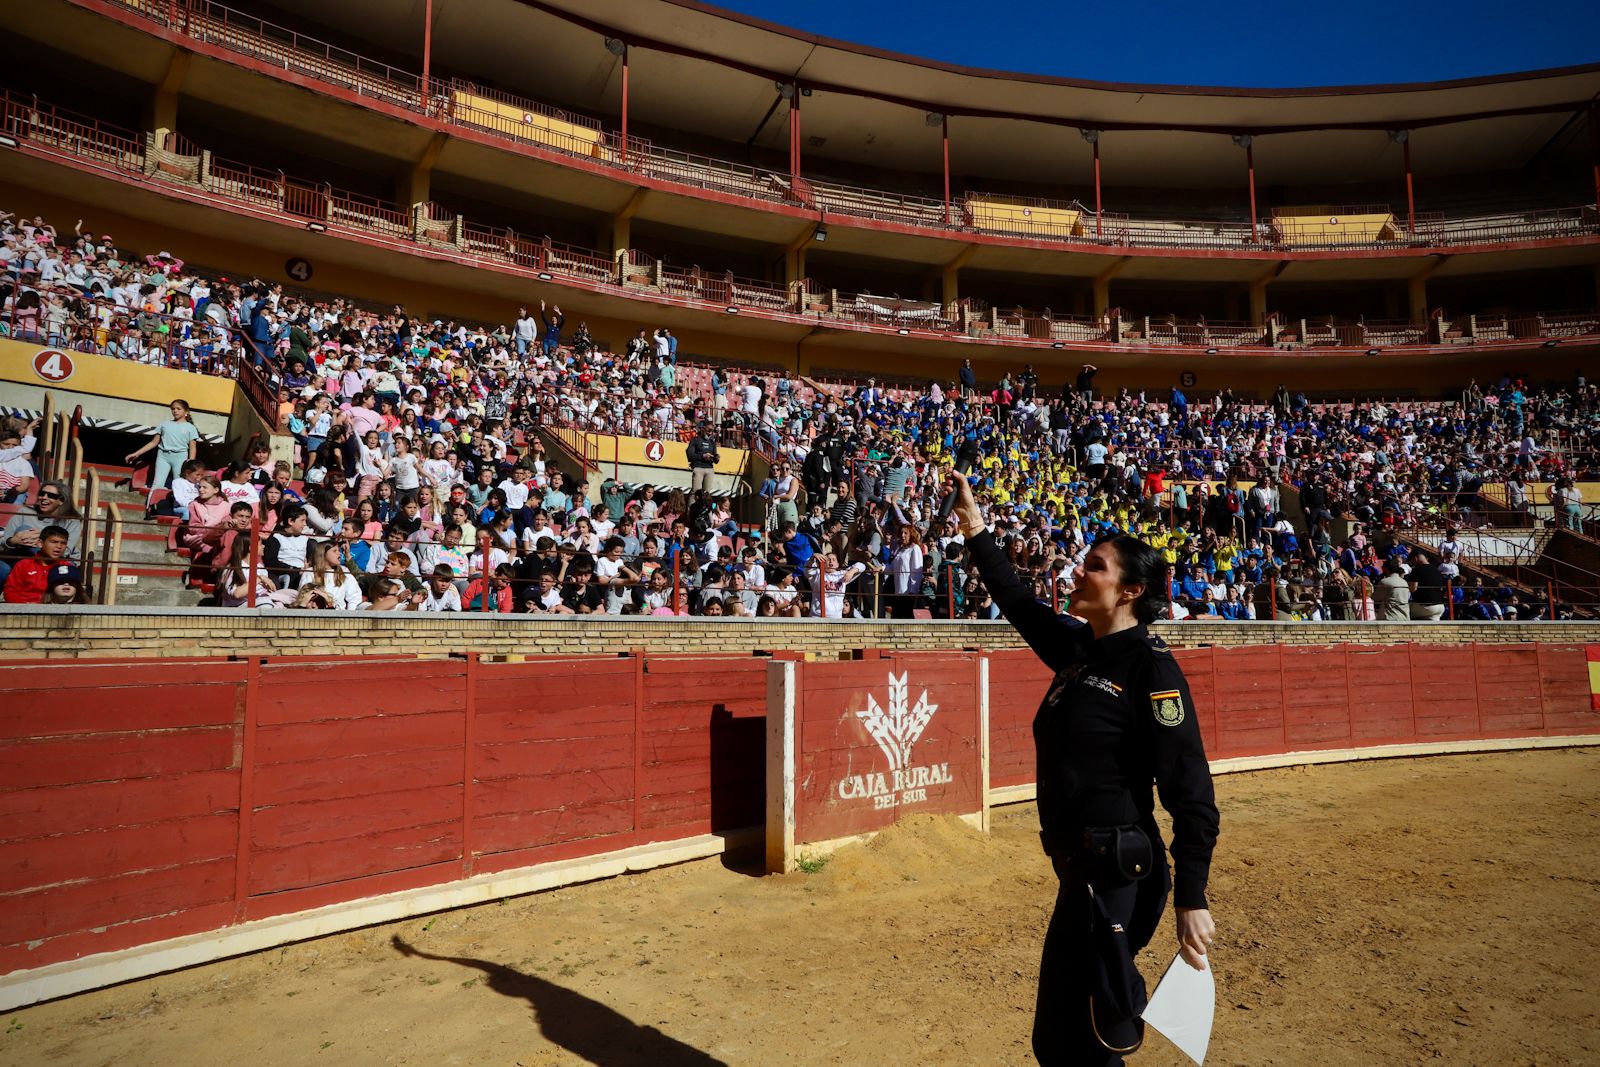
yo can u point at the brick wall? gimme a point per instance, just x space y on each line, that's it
37 633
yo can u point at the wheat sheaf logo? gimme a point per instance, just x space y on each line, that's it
898 729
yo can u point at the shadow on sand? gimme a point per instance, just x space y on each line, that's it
584 1027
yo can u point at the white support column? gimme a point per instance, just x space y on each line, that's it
781 734
983 734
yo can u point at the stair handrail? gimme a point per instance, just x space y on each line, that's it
107 593
91 505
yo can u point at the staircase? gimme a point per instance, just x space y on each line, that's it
148 575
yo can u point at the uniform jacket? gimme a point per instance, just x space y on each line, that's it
1117 718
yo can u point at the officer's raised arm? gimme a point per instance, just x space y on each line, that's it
1053 638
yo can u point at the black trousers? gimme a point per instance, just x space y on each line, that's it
1062 1033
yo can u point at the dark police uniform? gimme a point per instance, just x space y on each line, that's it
1117 718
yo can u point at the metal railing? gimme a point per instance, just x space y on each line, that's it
61 134
545 126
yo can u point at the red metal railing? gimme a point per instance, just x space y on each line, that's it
59 133
285 48
308 56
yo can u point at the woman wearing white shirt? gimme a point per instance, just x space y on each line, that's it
329 574
906 571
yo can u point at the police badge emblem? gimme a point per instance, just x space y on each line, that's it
1168 707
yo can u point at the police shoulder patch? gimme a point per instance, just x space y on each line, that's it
1168 707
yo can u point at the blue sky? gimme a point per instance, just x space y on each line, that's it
1245 43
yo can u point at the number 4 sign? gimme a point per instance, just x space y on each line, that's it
53 366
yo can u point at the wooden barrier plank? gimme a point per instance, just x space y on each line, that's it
103 757
121 935
1381 709
325 862
64 909
1249 701
1445 690
1510 696
66 809
57 676
289 825
312 692
1200 671
338 738
513 758
36 713
1564 689
102 854
1316 698
575 787
288 783
528 829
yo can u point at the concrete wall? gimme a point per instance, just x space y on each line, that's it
29 632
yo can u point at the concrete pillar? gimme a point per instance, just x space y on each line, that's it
164 99
1102 285
1258 293
622 225
1417 288
414 185
1258 301
794 265
950 275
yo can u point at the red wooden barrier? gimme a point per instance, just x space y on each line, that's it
1017 682
119 792
145 800
122 785
1271 699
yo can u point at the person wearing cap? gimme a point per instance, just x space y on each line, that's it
65 586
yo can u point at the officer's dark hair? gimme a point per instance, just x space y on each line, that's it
1142 565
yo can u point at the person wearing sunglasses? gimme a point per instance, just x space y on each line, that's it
20 537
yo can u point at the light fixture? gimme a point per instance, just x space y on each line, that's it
317 227
933 119
820 234
544 276
1373 351
903 332
805 91
1551 344
1057 344
785 90
731 310
1092 136
616 47
1399 136
8 142
1243 140
1211 351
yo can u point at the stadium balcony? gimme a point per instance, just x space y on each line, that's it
177 168
523 124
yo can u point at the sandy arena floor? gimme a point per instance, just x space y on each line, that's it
1379 913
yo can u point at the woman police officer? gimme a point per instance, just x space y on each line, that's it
1117 717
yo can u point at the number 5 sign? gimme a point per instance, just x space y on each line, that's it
53 366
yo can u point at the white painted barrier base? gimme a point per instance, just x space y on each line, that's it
109 968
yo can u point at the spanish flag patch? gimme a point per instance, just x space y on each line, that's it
1168 707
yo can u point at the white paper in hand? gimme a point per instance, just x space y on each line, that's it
1183 1006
